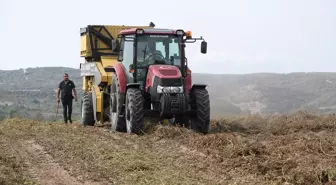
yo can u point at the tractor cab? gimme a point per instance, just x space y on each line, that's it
141 48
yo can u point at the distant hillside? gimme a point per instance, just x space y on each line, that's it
275 93
31 92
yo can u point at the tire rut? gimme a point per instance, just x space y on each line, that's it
42 167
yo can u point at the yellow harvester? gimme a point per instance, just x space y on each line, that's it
98 47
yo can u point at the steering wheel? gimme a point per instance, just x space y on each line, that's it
158 58
157 54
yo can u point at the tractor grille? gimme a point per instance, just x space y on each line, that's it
171 82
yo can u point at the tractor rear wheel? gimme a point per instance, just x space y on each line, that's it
117 98
134 110
87 117
201 105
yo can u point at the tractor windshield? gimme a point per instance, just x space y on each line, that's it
158 49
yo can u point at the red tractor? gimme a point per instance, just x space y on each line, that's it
152 79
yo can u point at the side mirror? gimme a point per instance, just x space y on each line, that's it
204 46
115 45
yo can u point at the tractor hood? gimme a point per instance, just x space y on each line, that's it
164 71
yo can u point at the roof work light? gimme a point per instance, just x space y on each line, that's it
139 31
179 32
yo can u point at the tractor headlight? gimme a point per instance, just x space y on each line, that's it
177 89
161 89
166 89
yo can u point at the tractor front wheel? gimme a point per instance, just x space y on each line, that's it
134 111
87 117
201 105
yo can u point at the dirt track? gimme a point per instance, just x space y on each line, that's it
298 149
42 167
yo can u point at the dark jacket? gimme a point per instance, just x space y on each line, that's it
66 89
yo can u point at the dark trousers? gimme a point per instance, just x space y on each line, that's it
67 108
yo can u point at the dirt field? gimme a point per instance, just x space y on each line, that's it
293 149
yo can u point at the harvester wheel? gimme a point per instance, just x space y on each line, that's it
134 111
201 104
87 117
116 106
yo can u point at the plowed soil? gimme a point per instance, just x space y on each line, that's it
288 149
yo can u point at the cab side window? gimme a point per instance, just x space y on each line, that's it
126 52
174 52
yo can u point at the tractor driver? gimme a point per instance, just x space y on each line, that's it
153 55
147 55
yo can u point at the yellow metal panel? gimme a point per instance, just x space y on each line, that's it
109 60
109 77
99 98
115 29
84 46
86 50
102 71
101 105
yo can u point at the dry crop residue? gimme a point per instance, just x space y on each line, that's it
286 149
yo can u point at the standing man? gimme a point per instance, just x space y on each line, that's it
66 86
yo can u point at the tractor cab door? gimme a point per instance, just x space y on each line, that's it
141 63
126 55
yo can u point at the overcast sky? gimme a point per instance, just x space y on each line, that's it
244 36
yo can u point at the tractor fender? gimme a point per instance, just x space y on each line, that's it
133 85
121 74
198 86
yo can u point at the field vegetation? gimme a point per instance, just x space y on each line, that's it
283 149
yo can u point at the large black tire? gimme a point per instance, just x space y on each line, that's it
201 104
134 111
117 99
87 118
